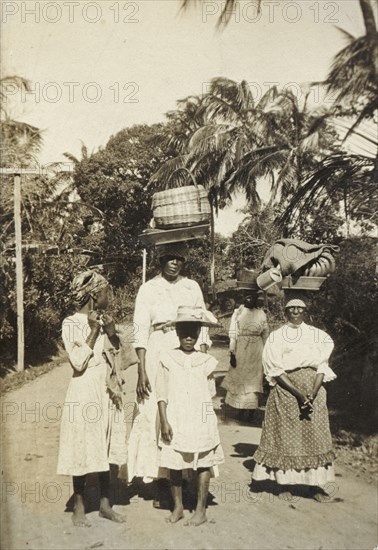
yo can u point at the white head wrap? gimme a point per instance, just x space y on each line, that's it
295 303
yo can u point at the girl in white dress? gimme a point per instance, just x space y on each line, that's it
189 432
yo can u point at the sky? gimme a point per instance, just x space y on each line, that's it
100 66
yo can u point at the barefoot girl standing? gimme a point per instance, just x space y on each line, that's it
85 437
189 431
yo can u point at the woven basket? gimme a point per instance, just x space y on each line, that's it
181 207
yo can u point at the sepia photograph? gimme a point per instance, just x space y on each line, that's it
189 274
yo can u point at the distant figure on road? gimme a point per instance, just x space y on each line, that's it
248 333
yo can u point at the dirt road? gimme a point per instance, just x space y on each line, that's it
34 498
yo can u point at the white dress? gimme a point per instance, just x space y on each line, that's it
183 382
89 416
157 302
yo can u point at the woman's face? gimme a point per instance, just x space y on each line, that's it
249 300
172 267
102 299
295 314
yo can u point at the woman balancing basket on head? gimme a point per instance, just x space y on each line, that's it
248 333
155 309
296 444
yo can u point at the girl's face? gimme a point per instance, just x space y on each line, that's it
101 300
188 334
172 267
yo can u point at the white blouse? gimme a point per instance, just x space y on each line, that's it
252 321
75 331
292 347
157 302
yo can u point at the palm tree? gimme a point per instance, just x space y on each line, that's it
353 77
21 141
278 138
344 177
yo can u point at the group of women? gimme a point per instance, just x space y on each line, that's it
296 443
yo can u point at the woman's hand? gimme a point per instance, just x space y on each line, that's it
143 387
305 403
95 326
94 321
166 431
109 325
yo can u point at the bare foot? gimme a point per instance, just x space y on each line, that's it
79 518
177 514
198 518
108 513
321 496
285 495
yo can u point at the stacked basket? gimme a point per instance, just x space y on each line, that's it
180 214
181 207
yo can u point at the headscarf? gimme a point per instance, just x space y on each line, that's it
85 284
295 303
178 249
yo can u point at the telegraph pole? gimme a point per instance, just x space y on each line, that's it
16 172
19 274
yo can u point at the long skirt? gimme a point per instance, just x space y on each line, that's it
295 449
244 382
143 452
92 431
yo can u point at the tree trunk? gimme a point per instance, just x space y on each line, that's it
346 212
368 15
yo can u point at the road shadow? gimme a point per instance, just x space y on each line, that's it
245 450
120 493
161 493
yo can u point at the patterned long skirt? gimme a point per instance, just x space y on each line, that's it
295 449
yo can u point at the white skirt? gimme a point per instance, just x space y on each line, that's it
176 460
312 476
93 433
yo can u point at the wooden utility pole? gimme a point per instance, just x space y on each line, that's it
19 263
19 273
144 270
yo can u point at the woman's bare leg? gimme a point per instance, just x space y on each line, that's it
176 490
106 511
199 515
78 517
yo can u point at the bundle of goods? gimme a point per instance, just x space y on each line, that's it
181 207
324 265
302 266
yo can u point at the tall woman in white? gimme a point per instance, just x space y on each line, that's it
155 309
